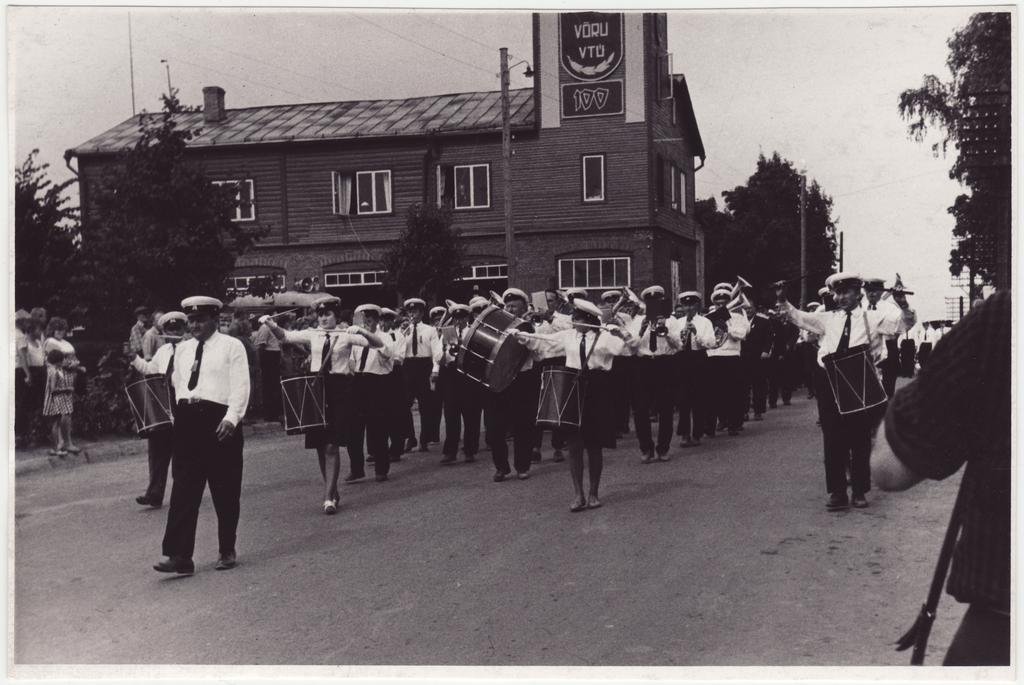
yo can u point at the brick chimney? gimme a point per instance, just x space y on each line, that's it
213 104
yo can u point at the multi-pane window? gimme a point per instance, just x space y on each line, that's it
245 198
345 279
594 272
484 271
239 285
472 186
373 192
593 178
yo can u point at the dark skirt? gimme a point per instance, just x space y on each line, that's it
337 392
598 421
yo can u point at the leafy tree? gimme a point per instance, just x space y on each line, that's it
157 230
45 234
427 256
758 234
979 65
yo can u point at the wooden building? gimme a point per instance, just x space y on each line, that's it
603 169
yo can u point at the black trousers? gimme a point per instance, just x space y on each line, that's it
725 377
368 421
514 408
654 391
462 404
621 372
782 377
417 388
270 374
199 458
691 392
161 449
847 442
757 373
398 424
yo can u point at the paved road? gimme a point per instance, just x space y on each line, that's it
723 556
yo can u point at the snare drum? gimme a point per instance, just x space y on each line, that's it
304 403
854 381
490 355
150 403
561 398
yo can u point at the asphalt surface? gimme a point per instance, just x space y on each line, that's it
724 556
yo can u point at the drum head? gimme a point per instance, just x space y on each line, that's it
854 380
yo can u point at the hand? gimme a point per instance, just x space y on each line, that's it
28 380
900 298
764 355
355 330
613 330
264 319
433 381
225 429
516 333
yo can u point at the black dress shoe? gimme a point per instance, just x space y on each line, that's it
149 502
836 502
499 476
648 458
859 501
226 561
380 478
352 478
470 458
179 565
535 456
448 459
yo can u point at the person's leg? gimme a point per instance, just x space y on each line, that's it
983 639
471 408
330 460
225 474
356 430
188 470
575 444
643 397
65 429
161 449
526 390
858 431
496 419
836 452
665 408
452 407
595 463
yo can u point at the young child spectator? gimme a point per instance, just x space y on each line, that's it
59 402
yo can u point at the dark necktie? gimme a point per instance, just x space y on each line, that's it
654 341
193 380
325 355
362 360
415 346
583 351
844 339
872 307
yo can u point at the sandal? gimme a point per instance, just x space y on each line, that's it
593 502
579 504
330 507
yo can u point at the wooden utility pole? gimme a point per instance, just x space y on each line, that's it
506 155
803 238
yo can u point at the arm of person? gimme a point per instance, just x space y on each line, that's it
737 327
887 471
436 351
285 335
808 321
362 337
238 396
543 345
674 337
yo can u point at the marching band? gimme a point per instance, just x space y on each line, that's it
521 364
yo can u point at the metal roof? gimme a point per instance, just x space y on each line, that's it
452 113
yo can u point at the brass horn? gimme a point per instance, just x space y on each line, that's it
741 283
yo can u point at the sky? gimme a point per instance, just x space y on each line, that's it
818 86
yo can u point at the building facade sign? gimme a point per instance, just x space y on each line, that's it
591 44
592 99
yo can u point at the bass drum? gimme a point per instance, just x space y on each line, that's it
490 355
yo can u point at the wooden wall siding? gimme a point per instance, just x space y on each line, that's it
264 168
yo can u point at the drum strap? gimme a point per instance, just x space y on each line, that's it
584 355
170 373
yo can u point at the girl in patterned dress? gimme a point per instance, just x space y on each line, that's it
57 329
59 400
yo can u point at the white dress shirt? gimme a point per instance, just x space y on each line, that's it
380 361
891 313
428 344
867 327
158 364
703 337
567 344
341 346
223 374
736 329
666 345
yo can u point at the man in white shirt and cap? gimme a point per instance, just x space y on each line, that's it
461 397
613 301
725 369
514 408
372 368
211 386
692 393
847 437
400 426
421 366
874 288
654 339
161 443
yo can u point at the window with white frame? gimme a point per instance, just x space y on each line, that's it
347 279
472 186
678 189
594 272
341 193
593 178
239 285
373 192
245 198
485 271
